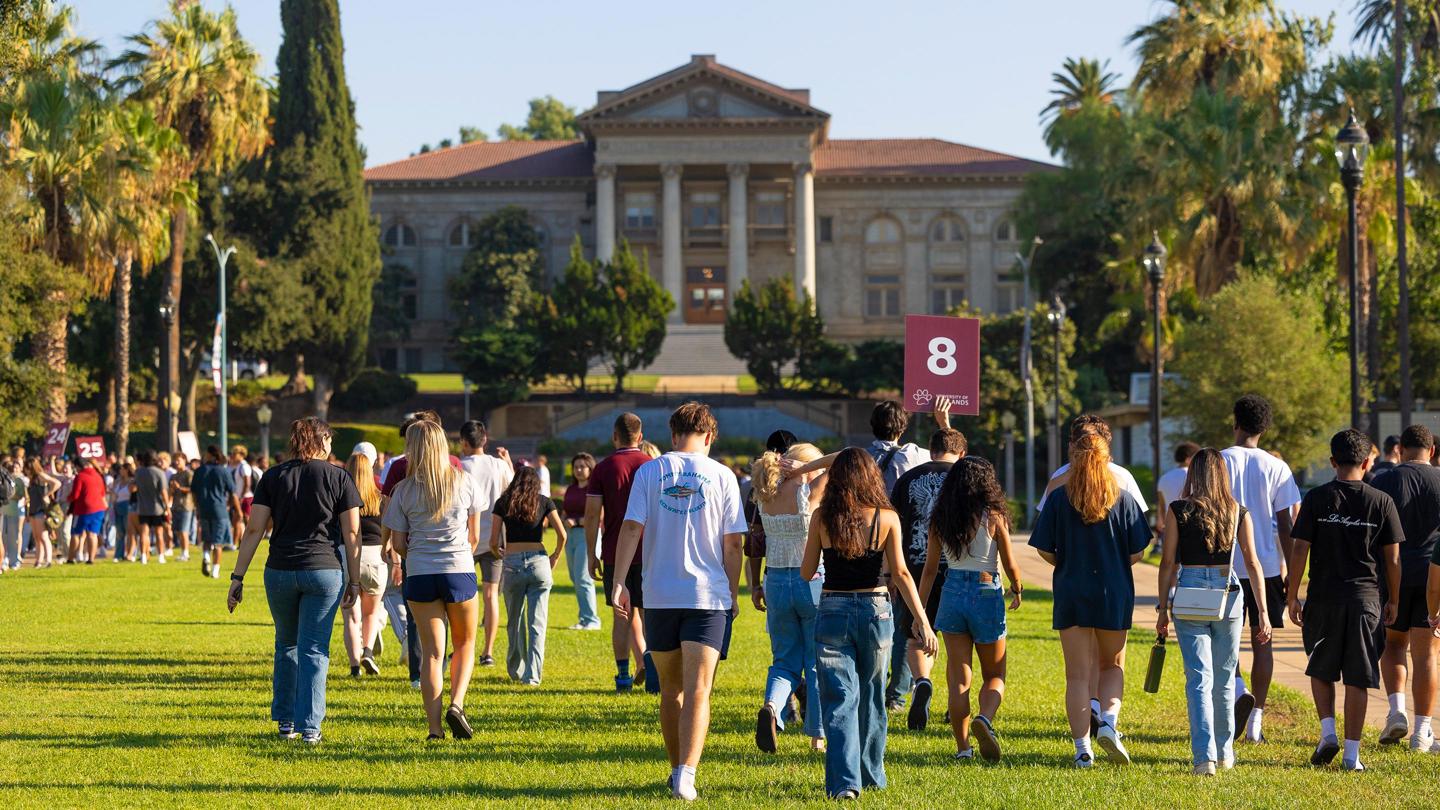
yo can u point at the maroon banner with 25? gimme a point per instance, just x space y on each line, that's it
942 359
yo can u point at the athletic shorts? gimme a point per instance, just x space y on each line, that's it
633 582
452 589
93 522
667 628
1414 613
1344 641
490 567
903 617
245 504
1275 599
153 521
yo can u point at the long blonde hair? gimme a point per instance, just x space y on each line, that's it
1207 486
1092 489
766 472
428 467
363 471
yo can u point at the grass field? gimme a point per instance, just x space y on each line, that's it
123 686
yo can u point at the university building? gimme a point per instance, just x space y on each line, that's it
718 177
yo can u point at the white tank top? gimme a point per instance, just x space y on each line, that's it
980 556
785 535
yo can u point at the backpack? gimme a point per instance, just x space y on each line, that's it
8 491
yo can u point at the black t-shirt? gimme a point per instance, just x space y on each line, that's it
1347 524
915 495
305 498
1415 488
369 530
529 531
1192 548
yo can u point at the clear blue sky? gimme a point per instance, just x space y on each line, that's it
967 71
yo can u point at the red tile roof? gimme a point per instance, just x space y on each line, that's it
543 160
914 157
501 160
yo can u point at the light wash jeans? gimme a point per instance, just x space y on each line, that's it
577 557
791 604
409 639
303 604
853 635
526 588
10 531
1211 652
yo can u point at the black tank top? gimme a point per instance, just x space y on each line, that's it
858 573
1191 548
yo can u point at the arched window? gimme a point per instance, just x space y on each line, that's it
947 229
883 231
463 235
400 235
1005 231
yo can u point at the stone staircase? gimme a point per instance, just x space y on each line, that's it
692 350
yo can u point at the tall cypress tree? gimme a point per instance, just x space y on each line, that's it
320 210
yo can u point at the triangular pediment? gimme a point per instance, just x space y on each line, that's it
703 90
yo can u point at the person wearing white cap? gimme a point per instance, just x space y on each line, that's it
363 619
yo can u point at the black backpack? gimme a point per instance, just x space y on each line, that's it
8 489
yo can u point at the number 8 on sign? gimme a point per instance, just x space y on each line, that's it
942 356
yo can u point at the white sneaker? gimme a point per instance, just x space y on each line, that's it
162 559
185 557
144 560
1423 743
1109 739
1396 724
214 572
1084 761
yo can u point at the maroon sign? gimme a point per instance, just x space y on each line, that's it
55 438
90 446
942 359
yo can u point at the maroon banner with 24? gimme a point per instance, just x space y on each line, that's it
942 359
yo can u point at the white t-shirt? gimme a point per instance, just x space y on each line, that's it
687 503
434 546
543 471
905 458
1264 485
243 479
491 476
1123 479
1171 484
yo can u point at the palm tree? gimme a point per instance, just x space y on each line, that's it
1081 84
199 77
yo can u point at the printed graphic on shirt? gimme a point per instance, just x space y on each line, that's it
683 492
924 491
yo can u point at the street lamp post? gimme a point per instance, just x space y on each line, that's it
1057 319
1007 423
167 439
1351 146
223 258
262 415
1025 376
1154 262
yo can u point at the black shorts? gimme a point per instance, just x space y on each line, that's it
1414 613
1274 602
452 589
667 628
153 521
632 583
1344 641
903 617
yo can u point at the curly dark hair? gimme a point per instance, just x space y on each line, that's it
1253 414
970 496
521 500
855 485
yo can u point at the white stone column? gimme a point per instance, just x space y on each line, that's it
805 229
604 211
671 270
739 269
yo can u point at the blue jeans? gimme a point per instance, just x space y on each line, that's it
526 588
120 516
1211 652
853 635
901 679
791 604
577 556
303 604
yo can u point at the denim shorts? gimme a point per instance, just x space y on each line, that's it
214 531
452 589
971 607
182 521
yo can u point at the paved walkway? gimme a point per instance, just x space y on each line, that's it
1289 650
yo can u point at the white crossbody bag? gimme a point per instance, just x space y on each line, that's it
1204 604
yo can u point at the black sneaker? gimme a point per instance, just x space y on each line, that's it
459 724
894 705
1244 705
919 715
986 738
801 696
354 672
367 663
204 568
1094 722
1325 752
765 734
487 660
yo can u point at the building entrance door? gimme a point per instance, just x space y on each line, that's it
706 299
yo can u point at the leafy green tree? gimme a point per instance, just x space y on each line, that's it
574 319
640 305
472 134
549 120
868 367
770 328
1253 337
388 320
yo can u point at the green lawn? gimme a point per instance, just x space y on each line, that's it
454 383
128 686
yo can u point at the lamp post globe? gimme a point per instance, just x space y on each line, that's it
1352 145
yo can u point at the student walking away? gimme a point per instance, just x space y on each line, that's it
789 601
914 497
968 534
1265 486
1414 485
213 490
182 509
12 511
363 617
577 556
1172 484
120 489
244 487
304 572
518 538
856 533
1350 533
606 501
491 475
1392 457
153 502
1203 529
688 506
39 497
434 522
1092 533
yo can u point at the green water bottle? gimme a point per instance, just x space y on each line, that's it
1157 666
